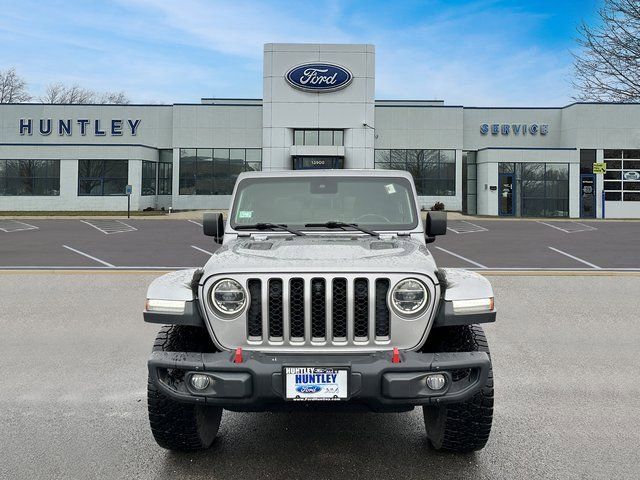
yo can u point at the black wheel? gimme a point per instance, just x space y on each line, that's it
181 426
460 427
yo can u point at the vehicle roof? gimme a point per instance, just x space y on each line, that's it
326 173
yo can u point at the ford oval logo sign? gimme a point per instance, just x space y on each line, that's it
308 388
632 175
319 77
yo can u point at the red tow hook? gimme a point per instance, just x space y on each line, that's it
237 357
396 355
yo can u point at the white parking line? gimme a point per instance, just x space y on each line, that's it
459 228
576 258
193 221
107 264
479 265
585 228
202 250
10 226
110 226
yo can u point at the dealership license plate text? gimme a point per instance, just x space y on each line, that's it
306 383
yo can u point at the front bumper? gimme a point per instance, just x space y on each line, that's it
375 382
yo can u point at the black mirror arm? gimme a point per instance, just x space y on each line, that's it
429 239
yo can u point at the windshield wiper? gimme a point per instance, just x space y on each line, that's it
342 225
269 226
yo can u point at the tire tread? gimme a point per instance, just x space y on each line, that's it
175 425
465 426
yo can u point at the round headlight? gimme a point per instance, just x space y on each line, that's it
409 297
228 297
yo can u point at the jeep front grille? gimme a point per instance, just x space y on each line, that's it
303 312
319 309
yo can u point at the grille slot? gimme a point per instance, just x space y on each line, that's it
296 308
254 313
383 316
276 324
339 309
318 309
361 309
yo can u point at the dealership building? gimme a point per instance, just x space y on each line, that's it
319 111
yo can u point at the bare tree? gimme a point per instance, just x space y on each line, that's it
608 66
119 98
61 93
13 89
75 94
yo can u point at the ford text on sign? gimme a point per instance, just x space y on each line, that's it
319 77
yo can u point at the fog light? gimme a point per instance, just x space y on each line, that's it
436 382
199 381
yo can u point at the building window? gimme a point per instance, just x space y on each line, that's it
213 171
29 177
103 177
318 137
149 170
587 159
622 180
165 178
165 172
469 182
434 171
542 189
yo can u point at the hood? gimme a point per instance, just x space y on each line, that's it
321 253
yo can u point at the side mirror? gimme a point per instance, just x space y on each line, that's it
213 226
435 224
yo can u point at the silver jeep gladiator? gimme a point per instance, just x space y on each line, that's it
322 295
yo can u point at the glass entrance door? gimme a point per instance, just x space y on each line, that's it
506 192
587 196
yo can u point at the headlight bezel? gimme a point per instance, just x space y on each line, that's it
223 314
424 305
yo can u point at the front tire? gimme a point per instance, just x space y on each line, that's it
175 425
460 427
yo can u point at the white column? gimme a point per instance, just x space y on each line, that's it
574 189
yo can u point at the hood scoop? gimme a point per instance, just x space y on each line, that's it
383 245
258 245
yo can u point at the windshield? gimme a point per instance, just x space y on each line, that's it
380 203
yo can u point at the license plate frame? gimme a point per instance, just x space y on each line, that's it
341 384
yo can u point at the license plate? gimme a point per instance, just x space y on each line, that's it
313 384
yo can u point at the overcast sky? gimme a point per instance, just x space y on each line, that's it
474 53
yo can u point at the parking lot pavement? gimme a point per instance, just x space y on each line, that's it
72 402
158 244
74 243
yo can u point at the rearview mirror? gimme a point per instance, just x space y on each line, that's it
213 226
435 224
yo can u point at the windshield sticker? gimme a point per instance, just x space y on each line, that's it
390 188
245 214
